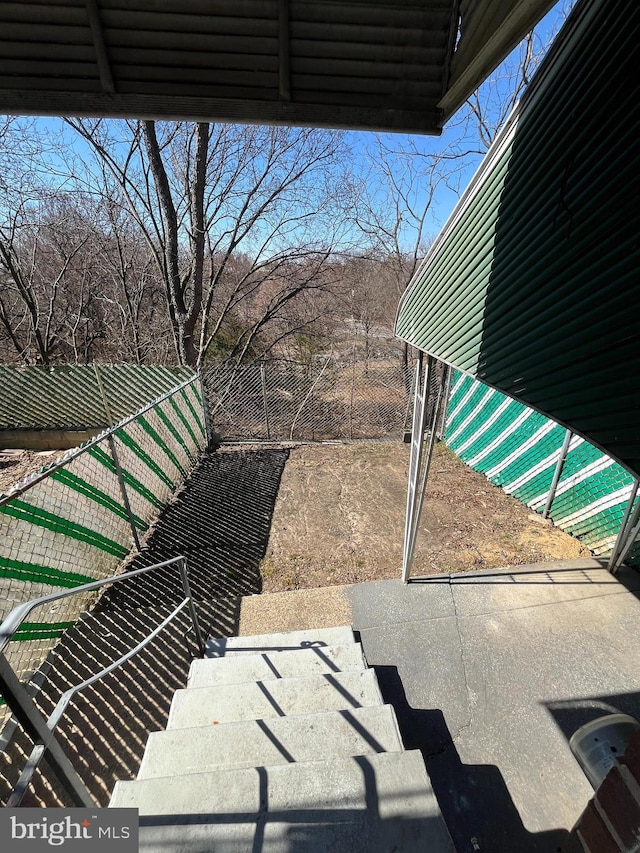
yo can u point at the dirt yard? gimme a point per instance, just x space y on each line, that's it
339 518
16 464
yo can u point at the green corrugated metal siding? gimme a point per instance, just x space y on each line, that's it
69 397
533 284
517 448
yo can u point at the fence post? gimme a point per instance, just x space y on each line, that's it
123 491
448 371
116 461
557 473
629 521
105 403
263 382
206 416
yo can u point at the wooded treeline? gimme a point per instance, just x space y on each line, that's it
183 243
195 243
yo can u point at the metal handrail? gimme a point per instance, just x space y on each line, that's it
42 730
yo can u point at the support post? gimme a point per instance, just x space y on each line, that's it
557 473
421 392
426 462
263 382
123 491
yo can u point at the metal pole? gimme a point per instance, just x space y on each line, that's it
417 432
116 461
623 526
427 459
557 473
206 416
35 726
630 541
123 491
445 400
107 410
629 537
410 392
192 608
263 382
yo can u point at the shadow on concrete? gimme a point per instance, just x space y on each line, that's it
220 521
474 799
570 714
302 830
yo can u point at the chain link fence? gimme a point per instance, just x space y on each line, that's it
323 400
518 449
76 520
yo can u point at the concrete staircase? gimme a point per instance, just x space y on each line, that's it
282 743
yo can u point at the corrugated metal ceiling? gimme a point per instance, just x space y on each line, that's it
337 63
533 285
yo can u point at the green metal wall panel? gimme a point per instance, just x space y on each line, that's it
533 284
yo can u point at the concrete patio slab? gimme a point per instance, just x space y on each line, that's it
490 674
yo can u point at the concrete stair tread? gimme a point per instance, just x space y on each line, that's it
387 796
342 635
233 669
251 700
280 740
334 785
357 834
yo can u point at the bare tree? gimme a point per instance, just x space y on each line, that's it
203 196
47 288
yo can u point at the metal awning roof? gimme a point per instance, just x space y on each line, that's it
404 65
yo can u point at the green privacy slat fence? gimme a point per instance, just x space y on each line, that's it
69 524
518 449
70 396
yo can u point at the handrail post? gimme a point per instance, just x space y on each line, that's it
34 724
192 608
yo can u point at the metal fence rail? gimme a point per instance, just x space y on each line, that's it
325 399
42 730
